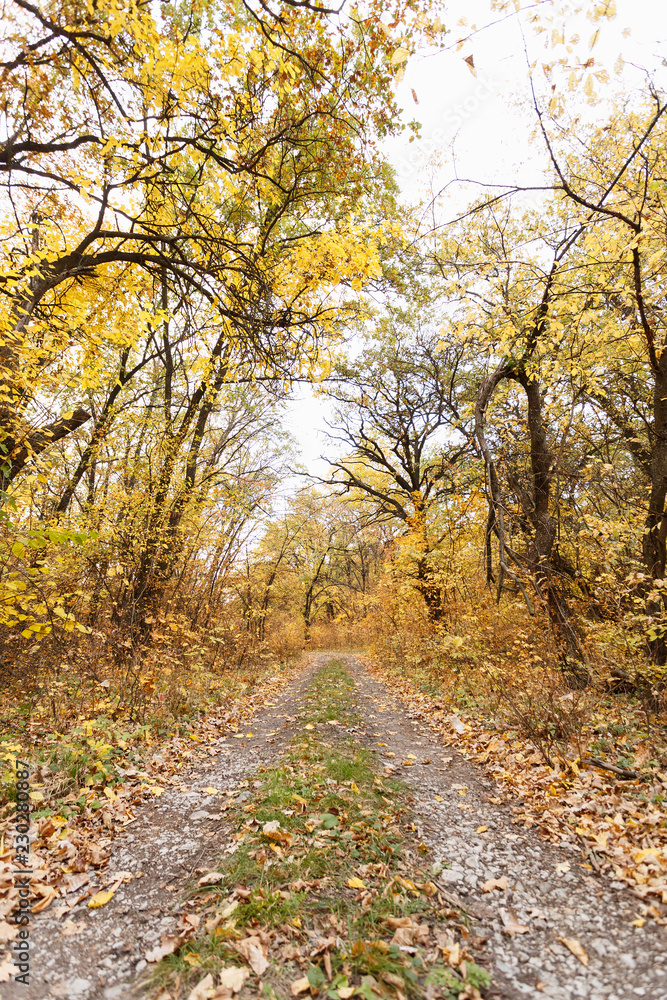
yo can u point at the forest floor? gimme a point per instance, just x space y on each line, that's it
337 847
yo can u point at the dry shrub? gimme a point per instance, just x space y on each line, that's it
500 663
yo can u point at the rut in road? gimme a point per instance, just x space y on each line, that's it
546 917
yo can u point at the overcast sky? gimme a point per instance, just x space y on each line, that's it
478 126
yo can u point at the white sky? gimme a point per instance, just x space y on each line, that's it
474 126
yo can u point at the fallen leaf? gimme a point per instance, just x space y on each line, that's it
453 953
639 922
211 790
563 867
211 878
168 946
7 970
103 897
309 725
456 724
250 949
573 945
511 925
46 900
72 927
355 883
7 931
301 986
233 978
396 922
345 992
482 829
200 992
495 883
439 798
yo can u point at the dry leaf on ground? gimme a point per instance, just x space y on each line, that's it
511 924
233 978
250 949
211 878
301 986
100 899
203 989
495 883
573 945
7 931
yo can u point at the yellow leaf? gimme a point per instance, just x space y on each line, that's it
355 883
573 945
399 56
211 790
354 787
439 798
100 899
482 829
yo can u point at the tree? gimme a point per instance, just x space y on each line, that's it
401 415
201 146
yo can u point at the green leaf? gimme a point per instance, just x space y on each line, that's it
316 977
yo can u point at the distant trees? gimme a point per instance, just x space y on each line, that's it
403 419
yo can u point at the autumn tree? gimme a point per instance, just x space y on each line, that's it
613 179
402 419
199 146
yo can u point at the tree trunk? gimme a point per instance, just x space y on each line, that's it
654 547
545 528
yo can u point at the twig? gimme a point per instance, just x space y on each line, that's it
622 772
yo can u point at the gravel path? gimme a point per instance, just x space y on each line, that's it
547 891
